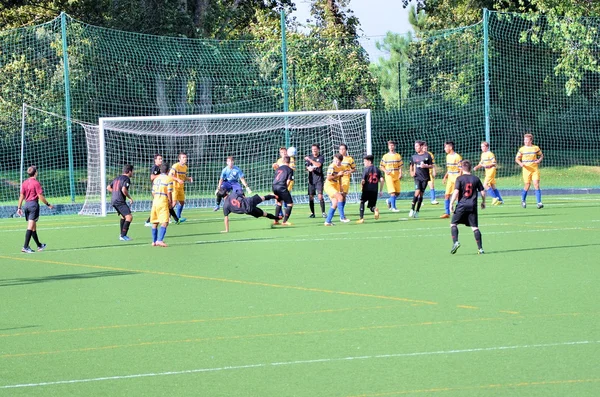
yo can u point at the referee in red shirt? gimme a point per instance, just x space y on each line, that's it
31 193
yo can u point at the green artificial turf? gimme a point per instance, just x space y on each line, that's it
378 309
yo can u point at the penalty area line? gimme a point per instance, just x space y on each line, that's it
298 362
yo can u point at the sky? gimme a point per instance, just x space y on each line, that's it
377 17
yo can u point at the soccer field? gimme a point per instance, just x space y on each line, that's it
378 309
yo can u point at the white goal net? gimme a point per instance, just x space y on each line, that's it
253 139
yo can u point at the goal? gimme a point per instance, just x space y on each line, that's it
253 139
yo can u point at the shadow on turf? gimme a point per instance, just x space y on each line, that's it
15 328
61 277
542 248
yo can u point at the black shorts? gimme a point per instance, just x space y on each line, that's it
467 217
315 188
251 204
256 212
370 198
31 210
420 185
122 209
284 196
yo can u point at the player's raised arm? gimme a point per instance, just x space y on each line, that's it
243 180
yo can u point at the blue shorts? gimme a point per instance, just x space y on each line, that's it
229 186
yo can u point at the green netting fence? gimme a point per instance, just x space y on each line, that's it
496 80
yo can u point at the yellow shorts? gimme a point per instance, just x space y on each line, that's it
392 183
490 178
531 174
450 186
345 185
331 190
159 213
178 195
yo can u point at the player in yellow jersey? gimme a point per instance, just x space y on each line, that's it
162 202
179 173
348 166
488 162
529 158
453 171
391 164
333 189
432 175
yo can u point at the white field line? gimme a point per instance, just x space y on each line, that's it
299 362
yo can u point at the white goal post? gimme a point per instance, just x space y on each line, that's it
253 139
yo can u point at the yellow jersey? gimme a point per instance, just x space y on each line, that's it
529 154
178 170
488 161
392 162
453 165
333 170
292 163
348 164
161 187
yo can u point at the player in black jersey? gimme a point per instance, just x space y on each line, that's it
119 188
284 177
237 203
420 164
371 178
314 166
465 194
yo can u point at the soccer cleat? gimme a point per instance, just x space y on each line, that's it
216 208
311 216
147 224
540 206
154 243
455 247
286 224
345 220
495 201
328 224
276 223
41 247
395 210
480 251
324 215
181 220
416 215
445 216
411 213
27 250
376 213
160 244
125 238
389 204
360 221
523 204
435 202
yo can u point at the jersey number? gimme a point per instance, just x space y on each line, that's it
235 203
372 178
468 189
278 176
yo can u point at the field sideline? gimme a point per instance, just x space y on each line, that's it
378 309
